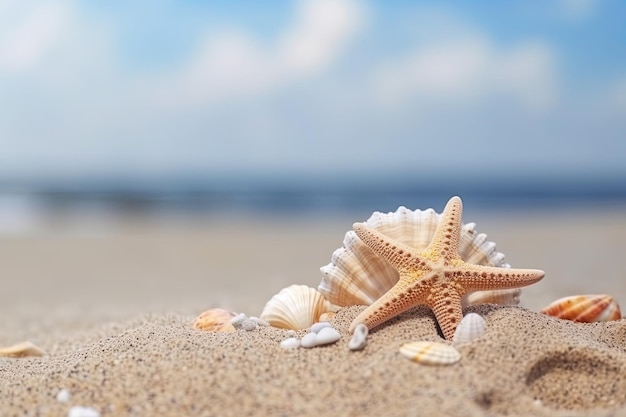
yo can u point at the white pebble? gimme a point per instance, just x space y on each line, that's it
78 411
259 321
359 337
290 343
237 320
319 326
63 396
327 335
249 325
309 340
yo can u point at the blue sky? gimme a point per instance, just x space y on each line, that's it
150 89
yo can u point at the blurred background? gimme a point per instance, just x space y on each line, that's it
178 155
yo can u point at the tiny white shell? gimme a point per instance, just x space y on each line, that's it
359 337
327 335
296 307
471 327
430 353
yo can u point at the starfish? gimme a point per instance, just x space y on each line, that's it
435 276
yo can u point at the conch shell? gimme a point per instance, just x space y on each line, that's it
584 308
357 276
296 307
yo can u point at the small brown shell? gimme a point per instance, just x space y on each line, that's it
215 320
585 308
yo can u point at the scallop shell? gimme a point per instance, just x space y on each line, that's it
357 276
585 308
296 307
430 353
215 320
471 327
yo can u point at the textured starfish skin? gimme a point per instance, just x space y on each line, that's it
435 276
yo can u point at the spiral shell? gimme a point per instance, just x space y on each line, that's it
430 353
215 320
357 276
296 307
585 308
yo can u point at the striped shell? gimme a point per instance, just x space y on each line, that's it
215 320
471 327
430 353
296 307
585 308
357 276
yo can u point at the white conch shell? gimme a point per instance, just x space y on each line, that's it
296 307
471 327
357 276
430 353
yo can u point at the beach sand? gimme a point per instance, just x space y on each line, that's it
113 308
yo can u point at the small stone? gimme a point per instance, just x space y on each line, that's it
259 321
290 343
291 333
327 335
78 411
249 325
63 396
309 340
237 320
359 337
319 326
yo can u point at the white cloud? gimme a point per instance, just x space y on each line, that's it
233 63
466 70
25 42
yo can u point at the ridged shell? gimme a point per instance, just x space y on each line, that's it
296 307
430 353
585 308
471 327
503 297
357 276
215 320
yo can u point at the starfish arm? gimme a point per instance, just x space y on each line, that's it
478 277
447 311
396 253
445 241
400 298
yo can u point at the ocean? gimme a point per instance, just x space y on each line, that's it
23 207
